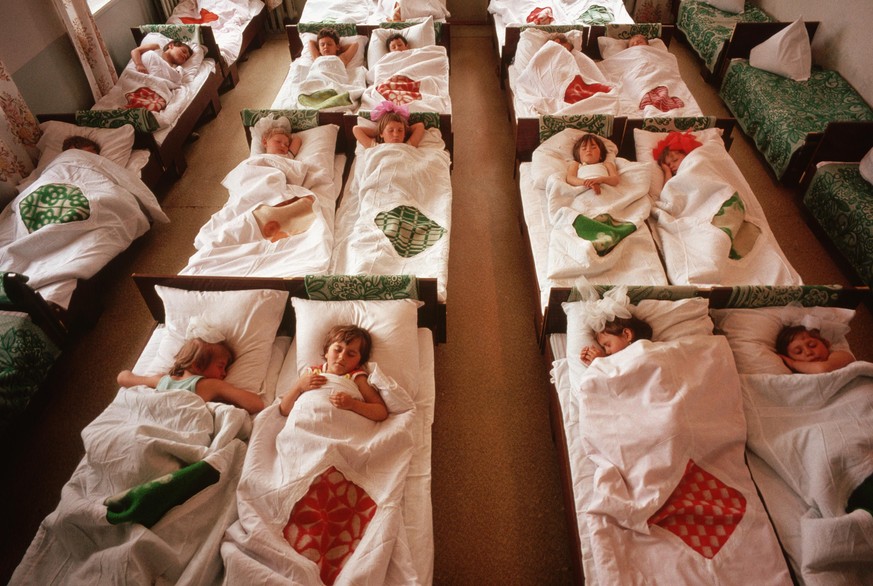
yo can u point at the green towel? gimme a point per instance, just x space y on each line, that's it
324 99
603 231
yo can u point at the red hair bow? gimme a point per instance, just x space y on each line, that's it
676 141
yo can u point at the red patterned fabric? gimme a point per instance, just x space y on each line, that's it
541 16
205 16
578 90
703 511
327 524
661 99
145 98
676 141
400 89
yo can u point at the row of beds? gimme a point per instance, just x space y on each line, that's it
355 505
730 446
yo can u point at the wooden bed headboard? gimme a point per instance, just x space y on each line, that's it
841 141
527 136
592 47
21 297
513 36
351 119
250 117
431 315
747 35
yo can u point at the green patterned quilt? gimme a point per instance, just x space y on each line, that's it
707 28
778 112
842 202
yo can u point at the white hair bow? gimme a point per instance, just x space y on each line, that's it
797 315
597 312
198 327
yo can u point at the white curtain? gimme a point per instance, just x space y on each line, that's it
97 64
19 133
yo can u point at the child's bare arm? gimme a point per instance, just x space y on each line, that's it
365 136
313 50
416 135
372 407
126 378
294 147
836 360
572 171
306 382
215 389
136 55
348 52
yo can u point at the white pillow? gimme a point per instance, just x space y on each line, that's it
734 6
787 53
317 145
610 47
190 67
417 36
866 166
670 320
248 319
393 327
356 61
531 40
752 332
556 153
645 142
420 8
116 144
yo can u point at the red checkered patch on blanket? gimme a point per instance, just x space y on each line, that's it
541 16
205 16
327 524
578 90
145 98
400 89
661 99
703 511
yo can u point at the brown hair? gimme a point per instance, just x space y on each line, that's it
329 33
174 43
788 333
640 329
195 355
585 139
391 117
79 142
394 37
346 335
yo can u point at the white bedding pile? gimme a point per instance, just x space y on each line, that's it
697 252
231 242
56 255
325 73
563 11
233 17
428 66
143 435
814 437
356 11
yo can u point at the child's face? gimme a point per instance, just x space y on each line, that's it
177 54
589 152
327 46
673 158
218 365
394 132
343 358
612 343
637 40
397 45
277 144
807 348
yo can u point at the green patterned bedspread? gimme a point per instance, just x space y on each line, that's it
778 112
842 202
707 28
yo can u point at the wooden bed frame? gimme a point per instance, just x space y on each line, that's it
592 48
295 44
841 141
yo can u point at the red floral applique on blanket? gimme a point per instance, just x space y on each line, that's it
400 89
205 16
703 511
145 98
327 524
661 99
541 16
578 90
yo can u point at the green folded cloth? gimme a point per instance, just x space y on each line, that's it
324 99
147 503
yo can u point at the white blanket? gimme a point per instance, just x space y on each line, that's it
325 73
233 17
386 177
643 414
287 455
232 243
815 432
56 255
357 11
697 252
634 260
427 66
143 435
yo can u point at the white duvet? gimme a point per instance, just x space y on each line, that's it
643 415
426 66
815 432
286 455
231 243
386 177
697 252
325 73
56 255
143 435
233 17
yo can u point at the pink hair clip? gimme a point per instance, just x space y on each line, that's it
386 107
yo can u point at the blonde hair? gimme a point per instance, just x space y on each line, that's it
265 136
195 356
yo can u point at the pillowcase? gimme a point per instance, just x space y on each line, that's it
645 142
532 40
752 332
248 319
670 320
356 61
734 6
190 67
317 145
116 144
556 153
417 35
787 53
866 166
393 327
610 47
417 8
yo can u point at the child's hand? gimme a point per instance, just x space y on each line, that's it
667 172
341 400
589 353
311 381
593 183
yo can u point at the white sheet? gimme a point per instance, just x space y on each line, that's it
813 439
56 255
233 17
697 252
513 12
356 11
429 66
306 76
